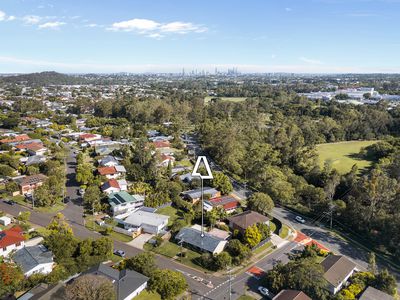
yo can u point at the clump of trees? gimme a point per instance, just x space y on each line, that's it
168 283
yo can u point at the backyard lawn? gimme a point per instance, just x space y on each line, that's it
170 211
343 155
145 295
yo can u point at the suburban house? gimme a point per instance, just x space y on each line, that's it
112 172
108 161
122 202
228 203
291 295
144 221
34 259
114 186
10 240
195 195
44 291
34 160
127 283
27 184
162 145
88 137
166 160
248 218
33 148
337 270
106 149
207 243
371 293
15 139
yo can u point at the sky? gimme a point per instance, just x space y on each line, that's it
104 36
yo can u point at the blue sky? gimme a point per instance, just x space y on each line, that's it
168 35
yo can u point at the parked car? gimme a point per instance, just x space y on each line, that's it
10 202
81 192
300 219
119 253
264 291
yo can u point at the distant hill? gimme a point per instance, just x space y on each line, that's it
44 78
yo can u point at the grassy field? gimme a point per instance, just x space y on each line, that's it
343 155
228 99
284 232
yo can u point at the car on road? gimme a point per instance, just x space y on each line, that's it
300 219
120 253
264 291
10 202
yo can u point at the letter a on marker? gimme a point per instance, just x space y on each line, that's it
196 172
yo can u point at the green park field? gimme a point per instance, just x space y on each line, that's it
343 155
227 99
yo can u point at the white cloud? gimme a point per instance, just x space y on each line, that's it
181 27
2 15
31 19
51 25
92 25
311 61
154 29
141 25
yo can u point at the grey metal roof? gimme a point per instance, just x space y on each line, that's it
193 237
195 194
35 159
373 294
125 281
30 257
107 159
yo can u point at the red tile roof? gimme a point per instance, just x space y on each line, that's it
107 170
11 236
18 138
161 144
231 205
30 146
113 183
87 136
167 157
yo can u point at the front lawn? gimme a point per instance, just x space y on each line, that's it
172 250
44 209
263 248
91 225
246 297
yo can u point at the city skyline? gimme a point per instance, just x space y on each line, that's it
315 36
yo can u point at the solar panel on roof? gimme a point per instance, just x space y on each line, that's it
2 235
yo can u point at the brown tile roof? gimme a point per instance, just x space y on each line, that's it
247 219
33 179
337 268
291 295
161 144
30 146
107 170
11 236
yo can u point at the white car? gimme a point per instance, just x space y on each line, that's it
300 219
264 291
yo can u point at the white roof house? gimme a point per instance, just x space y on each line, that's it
148 222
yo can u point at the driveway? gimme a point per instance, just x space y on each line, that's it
140 240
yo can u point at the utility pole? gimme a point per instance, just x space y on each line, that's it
202 208
33 200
